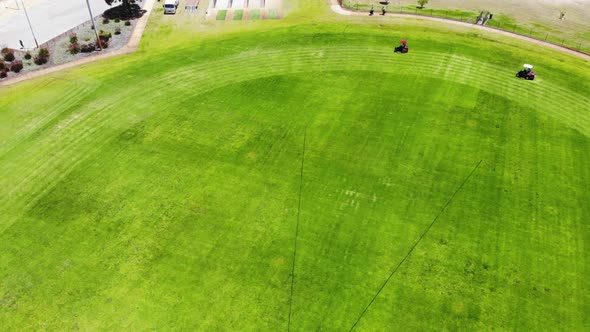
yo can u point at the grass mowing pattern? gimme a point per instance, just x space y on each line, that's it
131 208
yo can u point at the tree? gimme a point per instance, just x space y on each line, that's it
422 3
128 9
125 3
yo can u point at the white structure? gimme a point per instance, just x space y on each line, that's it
237 4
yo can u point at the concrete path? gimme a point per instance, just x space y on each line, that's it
129 48
49 18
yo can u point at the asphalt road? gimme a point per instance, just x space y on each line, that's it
49 18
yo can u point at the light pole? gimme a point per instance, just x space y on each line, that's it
28 20
94 25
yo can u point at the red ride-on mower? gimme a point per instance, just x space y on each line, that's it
527 73
403 48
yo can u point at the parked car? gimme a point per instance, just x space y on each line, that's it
170 6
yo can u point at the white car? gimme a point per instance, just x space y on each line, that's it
170 6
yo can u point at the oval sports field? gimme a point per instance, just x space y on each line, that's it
296 174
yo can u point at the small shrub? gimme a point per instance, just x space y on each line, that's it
87 48
4 50
44 53
123 12
105 21
42 57
104 36
86 38
3 74
9 56
28 56
103 43
127 23
2 65
117 20
74 48
16 66
40 61
422 3
73 39
117 31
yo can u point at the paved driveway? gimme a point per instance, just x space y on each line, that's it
49 18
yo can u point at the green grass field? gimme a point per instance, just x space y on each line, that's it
166 189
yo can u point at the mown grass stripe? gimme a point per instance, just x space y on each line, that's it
57 160
428 59
48 114
235 69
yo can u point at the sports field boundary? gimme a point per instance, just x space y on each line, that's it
130 47
338 9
